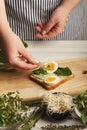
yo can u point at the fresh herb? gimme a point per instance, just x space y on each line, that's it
30 122
60 71
54 127
1 56
4 68
37 103
40 71
63 71
11 108
25 44
48 67
81 102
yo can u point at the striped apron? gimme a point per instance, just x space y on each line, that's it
23 16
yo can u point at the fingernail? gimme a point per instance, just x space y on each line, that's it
36 61
43 32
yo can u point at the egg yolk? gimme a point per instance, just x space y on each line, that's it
50 79
51 66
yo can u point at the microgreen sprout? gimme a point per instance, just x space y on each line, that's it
11 109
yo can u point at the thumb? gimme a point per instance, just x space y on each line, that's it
48 27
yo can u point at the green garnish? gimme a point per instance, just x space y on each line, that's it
4 68
36 103
30 122
40 71
63 71
60 71
1 56
47 67
11 108
25 44
81 102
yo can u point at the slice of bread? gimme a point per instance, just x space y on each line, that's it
53 86
50 75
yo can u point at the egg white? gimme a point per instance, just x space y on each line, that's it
57 79
55 66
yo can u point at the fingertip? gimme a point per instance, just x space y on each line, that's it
36 61
33 60
38 28
38 35
28 58
43 32
41 24
25 66
30 66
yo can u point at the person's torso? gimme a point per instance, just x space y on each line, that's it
23 15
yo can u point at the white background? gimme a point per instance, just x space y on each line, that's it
57 50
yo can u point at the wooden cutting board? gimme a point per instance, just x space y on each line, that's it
30 90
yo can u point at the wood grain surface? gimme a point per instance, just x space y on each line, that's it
30 90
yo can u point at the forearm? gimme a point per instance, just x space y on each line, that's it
4 25
70 4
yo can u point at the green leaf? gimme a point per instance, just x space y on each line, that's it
33 103
10 108
30 122
81 102
63 71
40 71
3 69
25 44
84 119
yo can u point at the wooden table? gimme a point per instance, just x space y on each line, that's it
30 90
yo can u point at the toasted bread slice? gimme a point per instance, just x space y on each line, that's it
50 75
63 79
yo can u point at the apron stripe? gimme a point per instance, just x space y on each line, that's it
23 16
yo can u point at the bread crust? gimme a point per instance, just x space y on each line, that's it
53 86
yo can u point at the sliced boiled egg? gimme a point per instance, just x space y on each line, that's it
51 66
51 79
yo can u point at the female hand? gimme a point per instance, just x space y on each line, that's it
55 25
14 52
